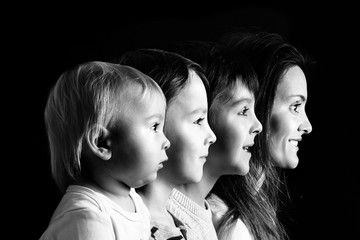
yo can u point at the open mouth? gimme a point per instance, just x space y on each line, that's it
247 149
294 142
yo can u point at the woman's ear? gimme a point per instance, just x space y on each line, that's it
99 141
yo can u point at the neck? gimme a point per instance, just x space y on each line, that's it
95 176
197 192
155 195
118 192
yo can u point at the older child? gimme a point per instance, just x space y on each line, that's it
105 129
187 128
232 117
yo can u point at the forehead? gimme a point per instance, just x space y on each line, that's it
192 96
194 90
236 93
240 90
136 98
293 82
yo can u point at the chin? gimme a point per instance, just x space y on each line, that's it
291 164
244 171
196 178
150 179
241 169
286 161
294 165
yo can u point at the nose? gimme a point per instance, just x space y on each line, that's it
211 137
256 127
306 126
166 143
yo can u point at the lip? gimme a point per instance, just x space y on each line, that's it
296 140
247 148
161 164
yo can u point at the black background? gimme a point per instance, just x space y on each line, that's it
44 40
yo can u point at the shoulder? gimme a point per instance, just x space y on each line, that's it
80 223
217 204
240 231
80 214
218 208
81 199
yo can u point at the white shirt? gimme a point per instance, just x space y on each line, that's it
87 214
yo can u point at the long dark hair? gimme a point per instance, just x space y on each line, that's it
271 55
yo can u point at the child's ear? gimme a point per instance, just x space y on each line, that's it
100 142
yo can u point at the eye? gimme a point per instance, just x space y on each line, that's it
155 127
199 121
295 107
243 111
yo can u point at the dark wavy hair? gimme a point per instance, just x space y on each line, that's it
271 55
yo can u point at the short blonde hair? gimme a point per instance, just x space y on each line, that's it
84 98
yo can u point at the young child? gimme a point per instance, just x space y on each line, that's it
105 129
185 88
232 117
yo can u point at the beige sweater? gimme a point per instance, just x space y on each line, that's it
197 220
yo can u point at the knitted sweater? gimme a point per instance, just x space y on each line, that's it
197 220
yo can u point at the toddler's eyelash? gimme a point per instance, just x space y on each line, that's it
155 127
199 121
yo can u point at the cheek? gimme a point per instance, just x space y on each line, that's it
275 124
279 128
129 158
229 138
181 143
276 131
135 150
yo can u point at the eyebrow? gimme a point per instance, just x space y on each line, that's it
156 115
199 110
241 100
303 98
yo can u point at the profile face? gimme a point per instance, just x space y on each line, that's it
188 130
138 150
288 120
235 125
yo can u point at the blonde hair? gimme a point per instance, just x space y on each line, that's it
83 99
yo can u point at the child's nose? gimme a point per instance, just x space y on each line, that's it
211 138
166 143
257 126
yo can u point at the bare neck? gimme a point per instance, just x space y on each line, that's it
155 195
197 192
